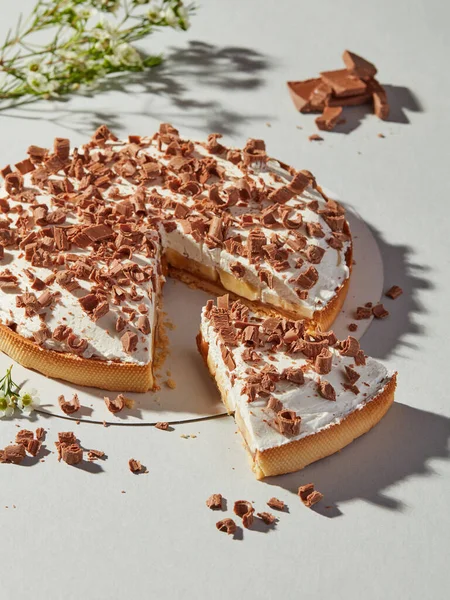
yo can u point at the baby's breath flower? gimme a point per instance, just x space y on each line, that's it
127 55
28 401
94 38
7 406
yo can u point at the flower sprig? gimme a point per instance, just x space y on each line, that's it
89 40
12 398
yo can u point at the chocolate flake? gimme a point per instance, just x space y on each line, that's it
267 517
227 526
115 406
214 502
326 390
135 466
276 504
69 407
394 292
288 422
308 495
379 312
245 510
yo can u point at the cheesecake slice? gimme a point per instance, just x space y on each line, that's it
297 394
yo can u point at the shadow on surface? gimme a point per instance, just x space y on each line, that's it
396 332
399 447
400 99
198 65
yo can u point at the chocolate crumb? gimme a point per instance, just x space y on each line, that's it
379 312
135 466
315 137
276 504
267 517
394 292
116 405
308 495
245 510
227 526
69 407
352 327
163 425
214 502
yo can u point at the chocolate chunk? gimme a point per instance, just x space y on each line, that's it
299 183
14 453
129 342
294 375
326 390
276 504
288 422
164 426
323 362
314 137
343 83
275 404
227 526
267 517
214 502
245 510
314 254
308 278
24 436
116 405
394 292
308 495
143 324
358 66
98 232
379 312
134 466
329 118
351 374
350 347
301 92
72 454
69 407
380 101
363 312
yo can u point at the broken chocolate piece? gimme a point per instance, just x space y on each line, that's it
379 312
308 495
245 510
214 502
394 292
276 504
69 407
116 405
329 118
227 526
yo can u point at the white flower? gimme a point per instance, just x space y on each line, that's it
141 1
84 13
183 16
127 55
170 17
28 401
6 406
37 81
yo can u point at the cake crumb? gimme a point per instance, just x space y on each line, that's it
171 384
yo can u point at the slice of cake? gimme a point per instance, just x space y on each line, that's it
297 394
86 235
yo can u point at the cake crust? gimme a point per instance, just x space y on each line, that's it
107 375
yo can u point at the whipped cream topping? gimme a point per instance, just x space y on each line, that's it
316 412
160 210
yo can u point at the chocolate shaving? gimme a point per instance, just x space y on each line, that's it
326 390
394 292
351 375
69 407
135 466
214 502
267 517
276 504
164 426
129 342
350 347
245 510
288 422
379 312
227 526
14 453
308 495
116 405
323 362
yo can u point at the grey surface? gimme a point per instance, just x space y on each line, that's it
73 533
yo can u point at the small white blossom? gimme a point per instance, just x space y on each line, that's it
170 17
7 406
184 16
127 55
28 401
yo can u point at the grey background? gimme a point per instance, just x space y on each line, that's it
73 534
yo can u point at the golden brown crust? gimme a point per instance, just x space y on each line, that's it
81 371
300 453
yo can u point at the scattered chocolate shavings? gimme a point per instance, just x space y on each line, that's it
76 344
8 280
351 388
326 390
214 502
379 312
352 327
69 407
255 242
129 342
67 437
245 510
299 183
116 405
143 324
163 425
314 254
227 526
294 375
394 292
323 362
308 495
14 453
288 422
267 517
135 466
360 359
